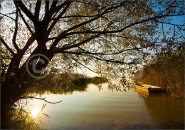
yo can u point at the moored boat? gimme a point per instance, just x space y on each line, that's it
147 88
142 93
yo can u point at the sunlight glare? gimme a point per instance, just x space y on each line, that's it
35 112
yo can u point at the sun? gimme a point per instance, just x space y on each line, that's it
35 112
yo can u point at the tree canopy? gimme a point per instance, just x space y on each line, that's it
81 33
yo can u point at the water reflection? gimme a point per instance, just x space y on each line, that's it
35 112
79 84
165 111
104 109
142 93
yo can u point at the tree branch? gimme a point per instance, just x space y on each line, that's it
74 45
167 7
15 32
77 16
107 60
7 16
44 99
6 45
28 43
19 4
110 60
120 30
170 23
98 58
64 33
94 53
53 6
83 65
46 7
26 23
129 49
37 9
51 11
62 5
56 20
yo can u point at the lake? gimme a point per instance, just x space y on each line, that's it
101 108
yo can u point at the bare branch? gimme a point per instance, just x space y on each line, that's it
44 99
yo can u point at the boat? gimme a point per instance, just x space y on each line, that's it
147 88
142 93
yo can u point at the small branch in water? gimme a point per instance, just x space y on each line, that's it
44 99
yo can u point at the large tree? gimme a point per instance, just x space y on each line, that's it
79 33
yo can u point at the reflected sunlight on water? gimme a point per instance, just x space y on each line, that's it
35 112
104 109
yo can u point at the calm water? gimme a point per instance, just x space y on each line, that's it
104 109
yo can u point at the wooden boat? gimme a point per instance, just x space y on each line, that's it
147 88
142 93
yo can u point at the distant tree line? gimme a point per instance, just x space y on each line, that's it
64 84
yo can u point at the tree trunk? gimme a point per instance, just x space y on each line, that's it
10 95
13 88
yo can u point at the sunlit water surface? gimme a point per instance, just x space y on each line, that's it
104 109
